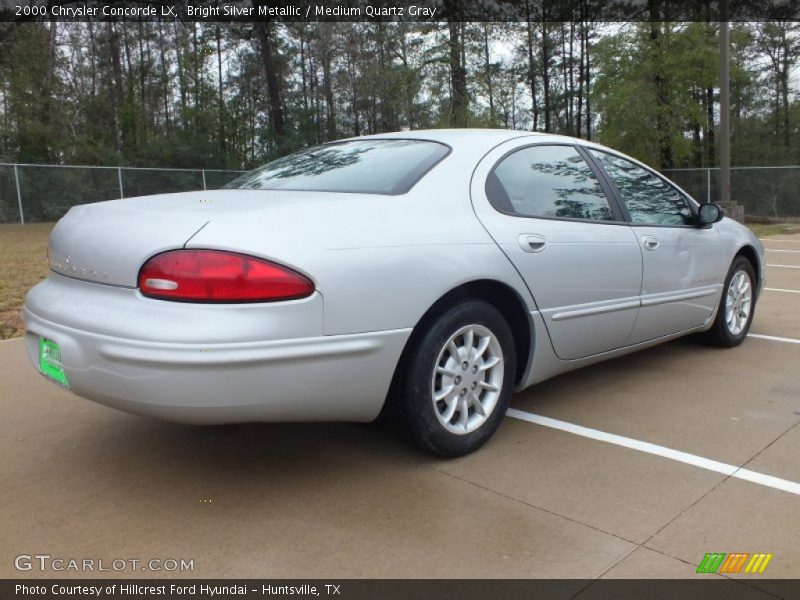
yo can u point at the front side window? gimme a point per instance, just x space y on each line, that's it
649 199
547 181
359 166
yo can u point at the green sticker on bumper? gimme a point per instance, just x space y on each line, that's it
50 361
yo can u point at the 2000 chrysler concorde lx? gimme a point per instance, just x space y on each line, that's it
423 275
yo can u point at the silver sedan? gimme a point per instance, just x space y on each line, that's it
421 276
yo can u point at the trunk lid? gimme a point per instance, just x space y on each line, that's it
108 242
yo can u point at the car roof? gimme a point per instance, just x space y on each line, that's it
455 135
477 136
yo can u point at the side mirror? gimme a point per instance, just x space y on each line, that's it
709 213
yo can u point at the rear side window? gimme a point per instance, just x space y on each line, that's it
359 166
547 181
649 199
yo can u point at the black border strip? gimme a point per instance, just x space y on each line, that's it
711 588
423 11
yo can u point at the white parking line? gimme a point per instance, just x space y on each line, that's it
773 338
783 266
782 290
676 455
787 251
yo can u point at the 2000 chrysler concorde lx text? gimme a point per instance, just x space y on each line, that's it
420 275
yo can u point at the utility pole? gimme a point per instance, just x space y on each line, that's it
724 108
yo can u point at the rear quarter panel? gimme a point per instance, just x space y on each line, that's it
378 261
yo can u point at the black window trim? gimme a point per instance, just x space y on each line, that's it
608 191
690 202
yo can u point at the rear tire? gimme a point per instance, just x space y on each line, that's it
737 305
454 382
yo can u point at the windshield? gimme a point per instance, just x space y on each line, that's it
360 166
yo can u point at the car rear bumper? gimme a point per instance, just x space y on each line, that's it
330 378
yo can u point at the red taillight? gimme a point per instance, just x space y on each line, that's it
217 276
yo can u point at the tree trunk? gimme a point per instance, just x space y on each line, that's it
709 134
532 70
46 115
165 78
196 74
409 90
699 141
93 58
488 68
458 76
565 81
142 72
572 76
181 74
581 56
352 74
327 86
220 96
784 79
314 91
118 96
275 109
382 94
513 97
660 86
587 83
303 74
545 52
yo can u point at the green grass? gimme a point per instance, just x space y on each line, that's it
23 263
767 229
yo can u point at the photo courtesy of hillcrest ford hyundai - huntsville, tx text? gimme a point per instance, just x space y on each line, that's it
422 277
175 589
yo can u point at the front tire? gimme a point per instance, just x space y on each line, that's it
735 313
455 381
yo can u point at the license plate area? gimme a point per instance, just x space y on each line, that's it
50 361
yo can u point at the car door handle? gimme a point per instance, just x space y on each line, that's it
532 242
649 242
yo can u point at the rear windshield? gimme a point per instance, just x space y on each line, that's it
361 166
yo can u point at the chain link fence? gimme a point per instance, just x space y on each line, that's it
35 193
772 192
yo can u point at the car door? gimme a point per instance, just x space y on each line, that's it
557 221
683 264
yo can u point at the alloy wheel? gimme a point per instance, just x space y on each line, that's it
738 302
467 379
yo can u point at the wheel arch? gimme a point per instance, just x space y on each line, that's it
505 299
748 252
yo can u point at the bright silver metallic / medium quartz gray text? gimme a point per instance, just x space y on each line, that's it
419 276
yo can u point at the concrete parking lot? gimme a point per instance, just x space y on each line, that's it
544 498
